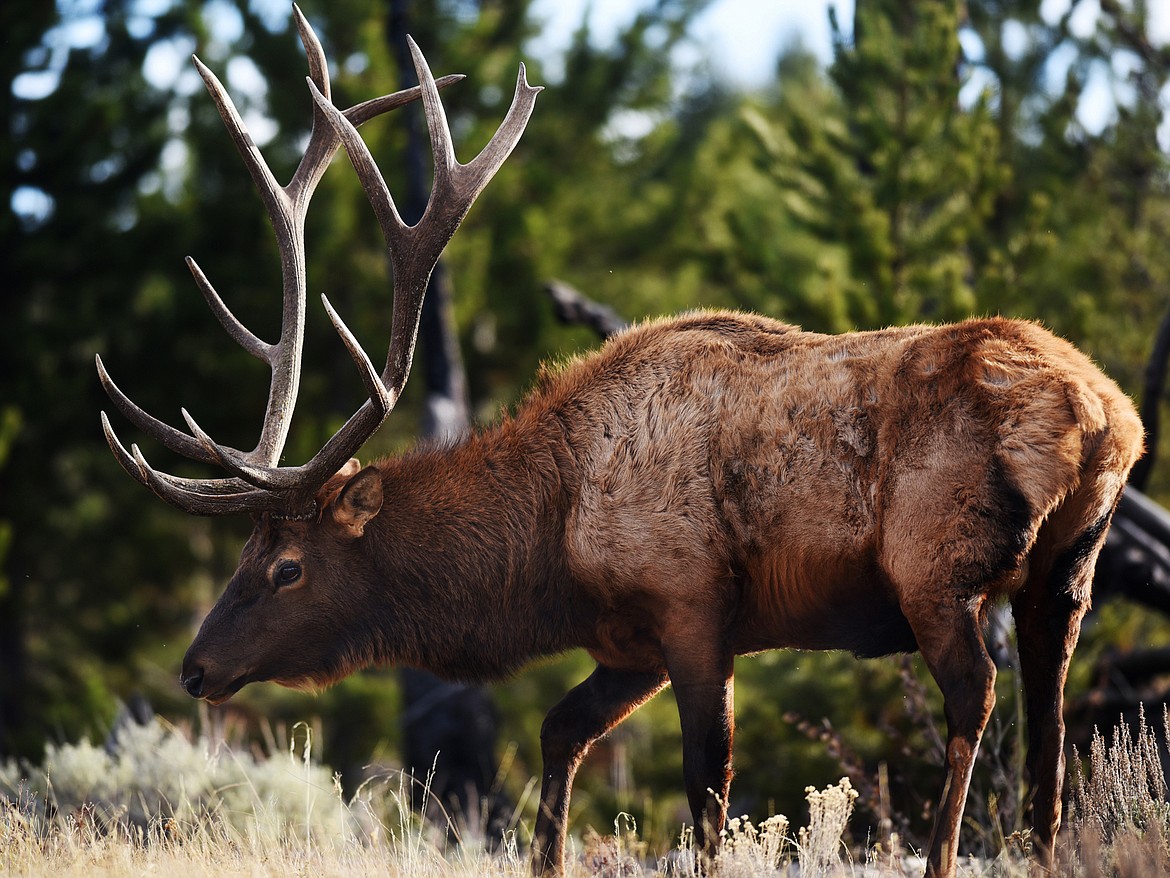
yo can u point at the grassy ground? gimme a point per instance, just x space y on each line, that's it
158 801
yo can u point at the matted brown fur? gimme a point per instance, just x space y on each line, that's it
705 486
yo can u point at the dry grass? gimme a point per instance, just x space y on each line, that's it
163 802
1118 814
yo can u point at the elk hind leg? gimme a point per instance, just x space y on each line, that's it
586 713
1048 614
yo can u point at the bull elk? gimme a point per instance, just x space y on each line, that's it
702 487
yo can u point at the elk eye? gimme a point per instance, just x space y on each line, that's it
287 573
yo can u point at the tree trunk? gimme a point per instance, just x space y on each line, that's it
449 729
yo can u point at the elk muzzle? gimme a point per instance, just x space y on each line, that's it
192 682
201 677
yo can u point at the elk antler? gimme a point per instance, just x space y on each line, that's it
258 483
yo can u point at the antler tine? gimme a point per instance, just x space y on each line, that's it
175 440
240 333
381 398
322 142
124 457
361 113
314 54
270 190
195 496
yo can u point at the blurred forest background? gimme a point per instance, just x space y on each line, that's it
937 168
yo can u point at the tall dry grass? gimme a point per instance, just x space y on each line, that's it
159 800
1118 813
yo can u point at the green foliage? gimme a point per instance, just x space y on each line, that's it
916 179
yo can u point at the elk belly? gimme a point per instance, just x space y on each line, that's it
627 639
859 614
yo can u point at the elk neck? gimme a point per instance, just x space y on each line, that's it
466 557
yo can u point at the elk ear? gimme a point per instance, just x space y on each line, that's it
329 491
360 500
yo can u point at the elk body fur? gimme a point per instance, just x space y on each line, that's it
713 485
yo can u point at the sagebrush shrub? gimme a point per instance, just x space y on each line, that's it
1120 805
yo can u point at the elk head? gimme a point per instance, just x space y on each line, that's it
309 519
291 608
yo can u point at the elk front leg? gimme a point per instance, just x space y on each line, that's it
949 636
703 687
587 712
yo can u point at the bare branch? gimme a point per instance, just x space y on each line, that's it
572 306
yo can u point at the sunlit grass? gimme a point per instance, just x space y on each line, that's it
162 801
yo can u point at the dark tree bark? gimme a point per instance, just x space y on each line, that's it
1135 562
23 29
450 729
12 660
1152 393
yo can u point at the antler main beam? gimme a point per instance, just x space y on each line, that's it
258 483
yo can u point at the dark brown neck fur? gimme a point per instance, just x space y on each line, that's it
466 561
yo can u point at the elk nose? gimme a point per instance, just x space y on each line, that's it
193 683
